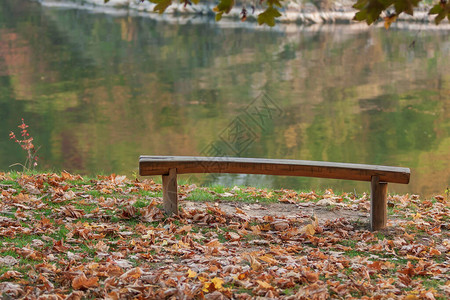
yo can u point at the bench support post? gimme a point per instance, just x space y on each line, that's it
378 204
170 196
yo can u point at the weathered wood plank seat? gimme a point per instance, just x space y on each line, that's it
379 176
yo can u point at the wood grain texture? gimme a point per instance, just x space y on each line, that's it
170 195
378 204
160 165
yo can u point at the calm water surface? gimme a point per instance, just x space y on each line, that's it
98 91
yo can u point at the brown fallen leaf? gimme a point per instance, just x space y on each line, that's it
312 276
8 261
11 274
101 246
132 274
254 264
11 289
308 229
213 243
184 229
216 295
82 282
264 284
311 228
375 265
72 212
75 295
47 284
280 225
268 259
232 236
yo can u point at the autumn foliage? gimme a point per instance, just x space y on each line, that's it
26 143
66 237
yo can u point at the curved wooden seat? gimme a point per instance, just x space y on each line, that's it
379 176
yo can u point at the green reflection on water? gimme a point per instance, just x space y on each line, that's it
98 91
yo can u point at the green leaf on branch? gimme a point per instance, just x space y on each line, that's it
224 6
442 10
106 1
268 16
406 6
161 5
370 10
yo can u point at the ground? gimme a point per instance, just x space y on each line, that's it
67 237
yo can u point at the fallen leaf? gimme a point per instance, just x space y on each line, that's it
8 261
254 264
232 236
311 276
82 282
132 274
217 282
264 284
308 229
411 297
11 274
240 211
268 259
192 274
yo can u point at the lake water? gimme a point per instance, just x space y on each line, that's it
99 90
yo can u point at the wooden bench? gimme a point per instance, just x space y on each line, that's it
379 176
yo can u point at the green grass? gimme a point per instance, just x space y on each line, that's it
200 195
348 243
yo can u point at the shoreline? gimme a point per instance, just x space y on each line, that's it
293 14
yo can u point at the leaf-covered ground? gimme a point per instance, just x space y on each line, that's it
65 237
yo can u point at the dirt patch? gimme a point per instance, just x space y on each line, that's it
286 210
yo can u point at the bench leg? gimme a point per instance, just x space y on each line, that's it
378 204
170 196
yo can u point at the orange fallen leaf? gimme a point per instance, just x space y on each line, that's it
434 251
268 259
254 264
241 276
264 285
213 268
375 265
256 229
132 274
11 274
82 282
240 211
308 229
311 276
213 243
184 229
